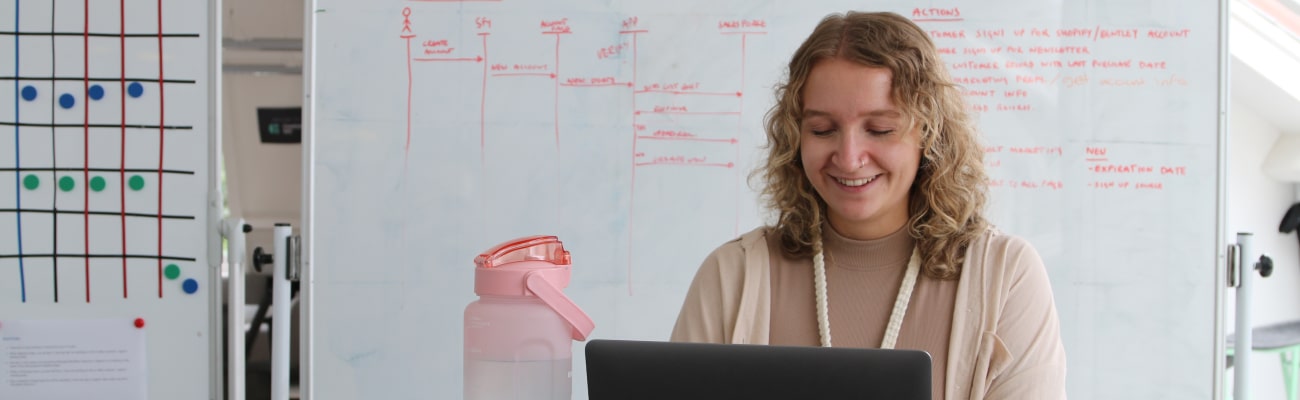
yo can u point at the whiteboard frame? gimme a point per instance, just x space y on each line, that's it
216 198
1220 209
306 340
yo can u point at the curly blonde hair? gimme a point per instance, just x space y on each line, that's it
948 196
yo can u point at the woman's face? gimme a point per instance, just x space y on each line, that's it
855 149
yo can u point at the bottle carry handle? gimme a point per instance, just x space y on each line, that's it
581 325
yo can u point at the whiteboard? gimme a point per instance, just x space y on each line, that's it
628 129
108 182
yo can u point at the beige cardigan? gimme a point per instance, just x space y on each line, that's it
1005 341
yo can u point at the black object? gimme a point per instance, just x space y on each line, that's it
1291 220
280 125
261 258
259 318
633 370
1265 266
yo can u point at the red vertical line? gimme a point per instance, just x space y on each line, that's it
631 203
85 173
18 193
740 130
556 78
54 159
482 107
482 120
122 168
161 119
559 165
410 82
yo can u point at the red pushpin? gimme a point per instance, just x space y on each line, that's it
139 323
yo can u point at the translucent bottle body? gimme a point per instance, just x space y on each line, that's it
516 348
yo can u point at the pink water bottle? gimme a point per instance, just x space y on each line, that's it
519 333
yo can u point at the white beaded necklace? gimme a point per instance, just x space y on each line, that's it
895 317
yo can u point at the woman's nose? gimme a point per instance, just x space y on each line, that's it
851 152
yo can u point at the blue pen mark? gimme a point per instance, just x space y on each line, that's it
29 93
67 101
18 197
96 92
190 286
135 89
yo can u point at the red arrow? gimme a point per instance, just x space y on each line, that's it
688 139
689 93
719 165
541 74
595 84
474 59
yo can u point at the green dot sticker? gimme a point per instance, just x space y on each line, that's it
136 182
67 183
172 271
31 182
97 183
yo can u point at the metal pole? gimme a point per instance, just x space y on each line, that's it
1243 343
233 228
281 315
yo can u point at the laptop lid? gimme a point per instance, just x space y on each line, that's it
634 370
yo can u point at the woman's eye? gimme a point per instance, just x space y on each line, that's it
880 132
822 132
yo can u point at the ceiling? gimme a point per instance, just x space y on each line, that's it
262 36
1264 38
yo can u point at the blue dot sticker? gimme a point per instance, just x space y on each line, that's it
95 92
29 93
190 286
67 101
135 89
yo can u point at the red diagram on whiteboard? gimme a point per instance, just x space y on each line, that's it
666 129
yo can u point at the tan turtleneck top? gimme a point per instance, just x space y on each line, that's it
862 282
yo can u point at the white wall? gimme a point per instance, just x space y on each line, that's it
264 181
1256 204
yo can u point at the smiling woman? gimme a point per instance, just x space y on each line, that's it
877 178
855 150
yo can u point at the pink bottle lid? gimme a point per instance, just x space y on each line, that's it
540 247
532 266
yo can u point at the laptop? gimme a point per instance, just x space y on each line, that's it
634 370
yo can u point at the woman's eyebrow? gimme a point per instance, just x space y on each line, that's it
889 112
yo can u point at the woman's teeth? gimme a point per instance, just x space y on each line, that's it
855 182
